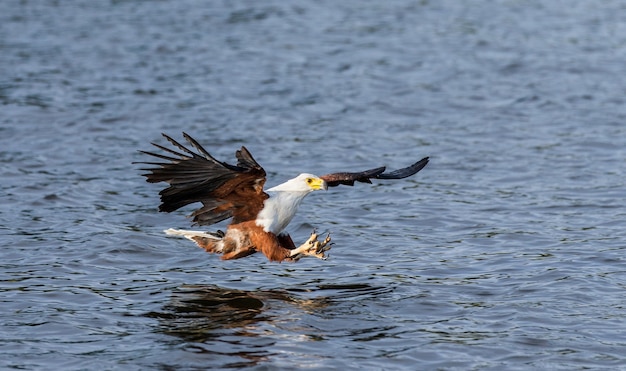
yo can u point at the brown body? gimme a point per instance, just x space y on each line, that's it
246 238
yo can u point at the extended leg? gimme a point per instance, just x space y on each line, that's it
312 247
239 253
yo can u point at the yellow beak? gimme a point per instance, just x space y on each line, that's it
318 183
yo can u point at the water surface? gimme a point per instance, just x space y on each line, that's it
506 252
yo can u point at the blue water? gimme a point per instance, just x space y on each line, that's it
505 252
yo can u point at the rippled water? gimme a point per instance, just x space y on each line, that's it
506 252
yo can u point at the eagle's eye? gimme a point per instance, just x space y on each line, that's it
309 180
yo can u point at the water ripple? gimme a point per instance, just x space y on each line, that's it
506 252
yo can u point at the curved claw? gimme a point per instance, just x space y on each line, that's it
312 247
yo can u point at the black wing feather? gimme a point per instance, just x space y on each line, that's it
345 178
223 189
405 172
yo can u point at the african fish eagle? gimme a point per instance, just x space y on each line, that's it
259 217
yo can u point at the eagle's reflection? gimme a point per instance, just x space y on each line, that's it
240 327
200 313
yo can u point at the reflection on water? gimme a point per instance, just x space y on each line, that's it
248 326
228 322
508 253
197 313
200 312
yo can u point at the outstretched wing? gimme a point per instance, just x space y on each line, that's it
335 179
225 190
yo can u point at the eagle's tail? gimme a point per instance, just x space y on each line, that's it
191 234
209 241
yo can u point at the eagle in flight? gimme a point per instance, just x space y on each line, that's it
259 216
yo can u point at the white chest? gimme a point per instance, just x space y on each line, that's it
278 210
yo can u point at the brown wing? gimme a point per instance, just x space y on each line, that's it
225 190
335 179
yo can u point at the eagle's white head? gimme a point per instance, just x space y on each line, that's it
280 207
303 183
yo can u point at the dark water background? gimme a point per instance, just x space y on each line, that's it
506 252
